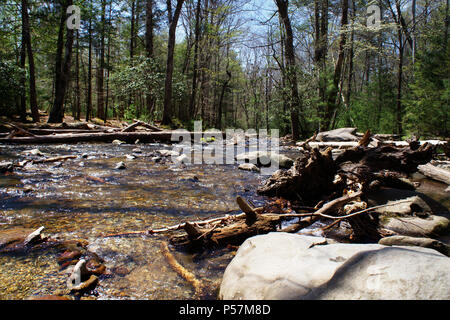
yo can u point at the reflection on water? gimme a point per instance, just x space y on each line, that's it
87 198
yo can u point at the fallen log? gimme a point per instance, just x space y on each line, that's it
18 130
43 132
129 137
352 144
323 212
148 126
234 232
131 127
435 173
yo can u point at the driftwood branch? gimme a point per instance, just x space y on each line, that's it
182 271
435 173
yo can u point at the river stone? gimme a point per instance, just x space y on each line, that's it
6 166
120 166
263 158
342 134
168 153
13 239
290 266
118 142
249 167
415 241
390 273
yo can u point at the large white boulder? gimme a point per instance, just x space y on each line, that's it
289 266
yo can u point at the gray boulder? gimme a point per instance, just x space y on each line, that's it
249 167
341 134
289 266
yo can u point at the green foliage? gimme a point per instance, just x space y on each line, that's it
141 75
10 87
428 106
373 108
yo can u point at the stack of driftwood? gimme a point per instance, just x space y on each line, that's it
316 187
15 133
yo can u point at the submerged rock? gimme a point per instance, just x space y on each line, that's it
249 167
17 239
289 266
6 167
120 166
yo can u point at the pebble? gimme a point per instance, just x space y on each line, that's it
121 165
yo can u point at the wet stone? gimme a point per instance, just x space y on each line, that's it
6 166
121 271
13 239
120 166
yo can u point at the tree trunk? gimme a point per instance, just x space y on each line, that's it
149 100
132 32
350 69
399 109
320 54
173 21
196 57
333 95
294 101
62 75
77 109
100 70
23 94
89 77
446 25
27 40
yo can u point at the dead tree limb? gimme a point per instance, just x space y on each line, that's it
182 271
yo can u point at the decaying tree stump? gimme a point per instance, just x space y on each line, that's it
315 177
310 177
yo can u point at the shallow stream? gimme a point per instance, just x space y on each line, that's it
87 198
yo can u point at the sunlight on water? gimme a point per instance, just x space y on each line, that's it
87 198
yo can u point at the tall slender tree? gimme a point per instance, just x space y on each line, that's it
27 41
173 21
62 66
291 71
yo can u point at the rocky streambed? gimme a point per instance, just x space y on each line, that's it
89 192
87 197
